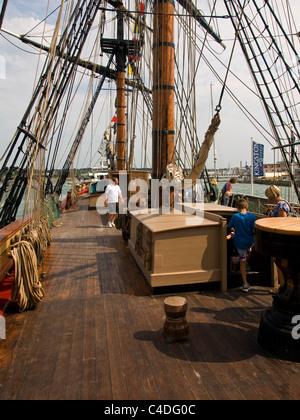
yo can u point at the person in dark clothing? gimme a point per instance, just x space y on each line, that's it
243 237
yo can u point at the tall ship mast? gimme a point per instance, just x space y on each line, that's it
64 59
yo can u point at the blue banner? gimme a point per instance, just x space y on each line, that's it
258 160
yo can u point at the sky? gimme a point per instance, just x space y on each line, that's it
18 70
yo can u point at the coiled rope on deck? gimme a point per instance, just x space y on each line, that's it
27 289
40 238
28 255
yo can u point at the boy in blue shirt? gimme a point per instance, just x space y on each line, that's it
244 227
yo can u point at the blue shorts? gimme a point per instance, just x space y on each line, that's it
244 253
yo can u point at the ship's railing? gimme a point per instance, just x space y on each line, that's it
257 204
7 234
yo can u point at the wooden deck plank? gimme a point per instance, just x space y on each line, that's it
60 376
104 388
210 350
214 349
162 379
118 382
258 372
130 356
98 334
89 379
142 343
232 331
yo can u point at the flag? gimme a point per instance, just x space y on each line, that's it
258 160
114 119
136 27
142 11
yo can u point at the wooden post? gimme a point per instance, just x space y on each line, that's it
163 87
176 327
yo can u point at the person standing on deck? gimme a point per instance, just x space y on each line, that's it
227 188
214 191
282 209
112 195
243 238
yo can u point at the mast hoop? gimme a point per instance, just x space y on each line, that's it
163 44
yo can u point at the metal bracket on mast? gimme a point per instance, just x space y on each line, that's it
122 49
31 136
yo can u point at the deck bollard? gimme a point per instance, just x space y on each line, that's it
176 328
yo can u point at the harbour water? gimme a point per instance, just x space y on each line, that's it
65 190
259 190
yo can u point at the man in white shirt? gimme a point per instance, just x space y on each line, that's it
112 195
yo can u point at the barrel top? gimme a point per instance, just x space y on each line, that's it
281 225
175 301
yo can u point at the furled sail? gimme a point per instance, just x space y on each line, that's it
202 156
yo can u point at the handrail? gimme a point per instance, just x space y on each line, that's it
10 231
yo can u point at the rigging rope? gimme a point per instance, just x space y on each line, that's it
205 148
219 107
71 44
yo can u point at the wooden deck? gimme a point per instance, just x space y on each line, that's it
98 334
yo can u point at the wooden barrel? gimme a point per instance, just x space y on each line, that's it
279 237
176 327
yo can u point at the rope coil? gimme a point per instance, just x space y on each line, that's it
27 289
28 254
